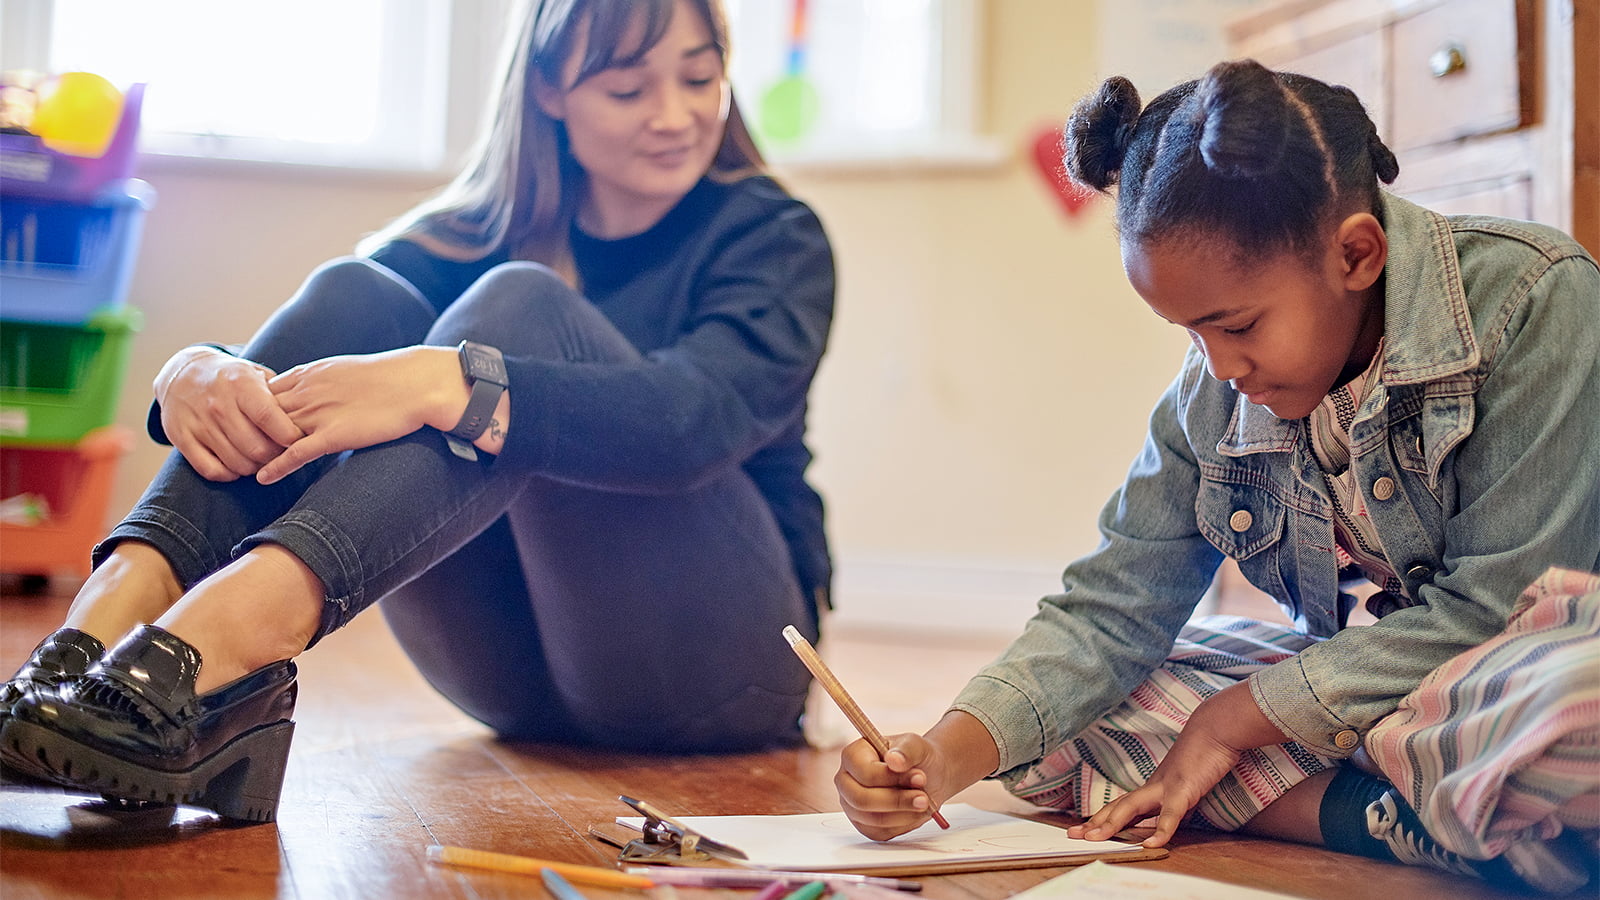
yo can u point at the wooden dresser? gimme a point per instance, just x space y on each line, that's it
1492 106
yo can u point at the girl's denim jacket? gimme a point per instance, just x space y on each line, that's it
1478 455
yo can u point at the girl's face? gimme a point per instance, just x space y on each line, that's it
643 133
1282 330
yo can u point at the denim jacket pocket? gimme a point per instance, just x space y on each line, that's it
1237 511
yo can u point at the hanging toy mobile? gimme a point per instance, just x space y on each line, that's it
790 105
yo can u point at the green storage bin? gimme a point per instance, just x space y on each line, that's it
59 382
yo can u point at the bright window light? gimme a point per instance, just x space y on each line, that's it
357 82
843 78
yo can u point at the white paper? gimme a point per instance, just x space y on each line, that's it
1099 881
827 841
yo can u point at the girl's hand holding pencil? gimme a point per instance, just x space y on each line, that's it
889 786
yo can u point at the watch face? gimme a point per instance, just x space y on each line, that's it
486 363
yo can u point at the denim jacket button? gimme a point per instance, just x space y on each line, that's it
1241 520
1383 488
1346 740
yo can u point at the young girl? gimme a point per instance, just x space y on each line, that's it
1375 392
565 500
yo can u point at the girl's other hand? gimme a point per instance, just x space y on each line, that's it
1222 727
1192 767
350 402
219 413
889 797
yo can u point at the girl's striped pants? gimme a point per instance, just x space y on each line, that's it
1497 747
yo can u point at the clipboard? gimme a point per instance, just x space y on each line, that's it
666 850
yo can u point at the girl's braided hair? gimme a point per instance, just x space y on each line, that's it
1265 159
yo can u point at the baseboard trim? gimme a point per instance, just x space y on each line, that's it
938 599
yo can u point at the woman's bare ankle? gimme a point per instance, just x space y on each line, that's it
133 586
262 608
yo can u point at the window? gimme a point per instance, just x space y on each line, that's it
364 83
824 81
400 84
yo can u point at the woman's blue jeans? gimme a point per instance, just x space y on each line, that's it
545 610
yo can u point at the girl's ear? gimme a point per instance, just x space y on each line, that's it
1364 249
551 99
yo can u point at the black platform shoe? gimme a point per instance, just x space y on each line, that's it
63 654
66 653
133 729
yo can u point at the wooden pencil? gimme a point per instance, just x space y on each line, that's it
852 711
527 865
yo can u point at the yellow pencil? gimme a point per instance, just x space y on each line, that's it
527 865
808 655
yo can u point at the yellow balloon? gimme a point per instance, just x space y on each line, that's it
78 114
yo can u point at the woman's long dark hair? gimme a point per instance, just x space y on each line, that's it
519 186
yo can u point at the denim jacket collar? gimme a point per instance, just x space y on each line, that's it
1422 341
1426 319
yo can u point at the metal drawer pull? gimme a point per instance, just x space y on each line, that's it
1447 59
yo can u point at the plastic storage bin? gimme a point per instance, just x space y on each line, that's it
29 168
61 261
74 482
59 382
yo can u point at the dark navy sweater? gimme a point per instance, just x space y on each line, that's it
729 297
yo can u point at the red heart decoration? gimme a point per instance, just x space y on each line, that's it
1047 156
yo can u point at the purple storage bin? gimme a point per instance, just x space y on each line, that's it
29 168
61 261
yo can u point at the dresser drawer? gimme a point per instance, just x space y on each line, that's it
1456 72
1510 197
1356 62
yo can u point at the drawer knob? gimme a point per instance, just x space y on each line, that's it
1447 59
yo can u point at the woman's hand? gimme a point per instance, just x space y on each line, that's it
219 413
890 797
1223 726
349 402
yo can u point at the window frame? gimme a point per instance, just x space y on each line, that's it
467 55
472 54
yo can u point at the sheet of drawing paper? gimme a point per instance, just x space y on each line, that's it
1098 881
827 841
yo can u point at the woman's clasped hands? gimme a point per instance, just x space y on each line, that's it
232 418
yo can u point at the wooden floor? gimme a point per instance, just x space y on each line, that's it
382 768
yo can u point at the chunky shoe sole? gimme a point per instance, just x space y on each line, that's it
20 767
242 780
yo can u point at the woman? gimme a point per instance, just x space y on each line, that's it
567 501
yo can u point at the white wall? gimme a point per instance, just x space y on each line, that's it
988 379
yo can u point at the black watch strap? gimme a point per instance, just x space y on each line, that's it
485 369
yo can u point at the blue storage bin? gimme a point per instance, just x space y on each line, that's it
61 261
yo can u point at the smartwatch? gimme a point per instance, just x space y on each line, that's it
485 370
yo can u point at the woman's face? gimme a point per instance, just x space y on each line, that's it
644 133
1282 330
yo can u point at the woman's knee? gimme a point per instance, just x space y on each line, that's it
507 295
346 305
526 308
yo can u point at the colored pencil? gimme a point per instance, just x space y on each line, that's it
560 887
527 865
694 876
